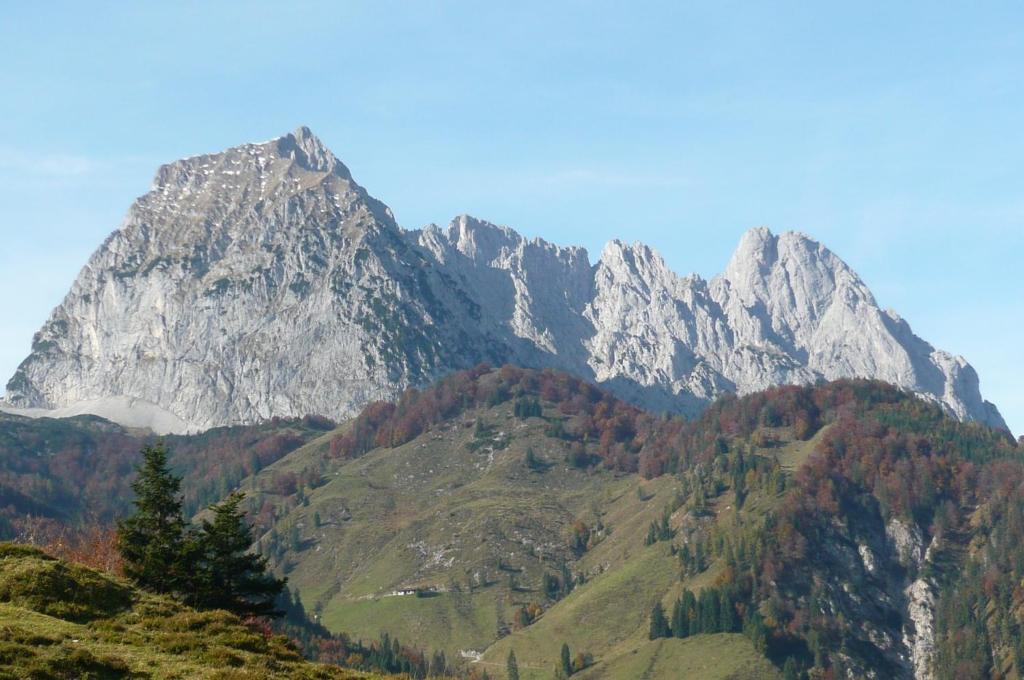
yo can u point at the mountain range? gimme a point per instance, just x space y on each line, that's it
263 281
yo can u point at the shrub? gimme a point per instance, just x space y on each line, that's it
65 591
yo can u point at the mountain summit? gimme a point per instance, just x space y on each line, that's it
263 281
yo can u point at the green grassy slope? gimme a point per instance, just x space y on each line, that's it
462 515
455 511
608 617
458 514
64 620
723 656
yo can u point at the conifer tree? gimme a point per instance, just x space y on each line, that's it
728 621
689 607
680 624
664 531
512 666
698 558
533 462
685 558
754 629
711 611
152 541
567 580
566 660
652 534
232 577
438 665
659 625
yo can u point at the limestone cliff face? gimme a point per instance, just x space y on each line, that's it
255 283
263 281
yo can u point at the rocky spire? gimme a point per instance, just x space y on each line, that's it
309 152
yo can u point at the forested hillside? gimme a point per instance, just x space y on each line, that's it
75 472
848 529
836 524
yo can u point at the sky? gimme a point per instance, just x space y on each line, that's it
891 132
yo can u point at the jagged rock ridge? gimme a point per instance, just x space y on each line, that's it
263 281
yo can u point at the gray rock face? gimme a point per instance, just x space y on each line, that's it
263 281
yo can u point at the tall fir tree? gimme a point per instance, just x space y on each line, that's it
152 541
231 576
659 624
680 622
728 620
512 667
566 660
438 665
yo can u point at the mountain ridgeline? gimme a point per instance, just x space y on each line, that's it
264 282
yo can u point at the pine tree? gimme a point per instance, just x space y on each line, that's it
698 558
568 582
230 576
152 541
659 625
689 607
714 610
512 666
526 407
566 660
533 462
680 624
686 559
728 621
754 629
438 665
664 531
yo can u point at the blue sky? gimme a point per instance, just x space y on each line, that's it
892 132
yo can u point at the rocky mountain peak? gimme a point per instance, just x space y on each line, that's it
480 240
263 281
310 153
792 282
764 259
636 259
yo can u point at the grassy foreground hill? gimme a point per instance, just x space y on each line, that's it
62 620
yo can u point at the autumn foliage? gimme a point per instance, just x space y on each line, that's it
77 472
579 412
